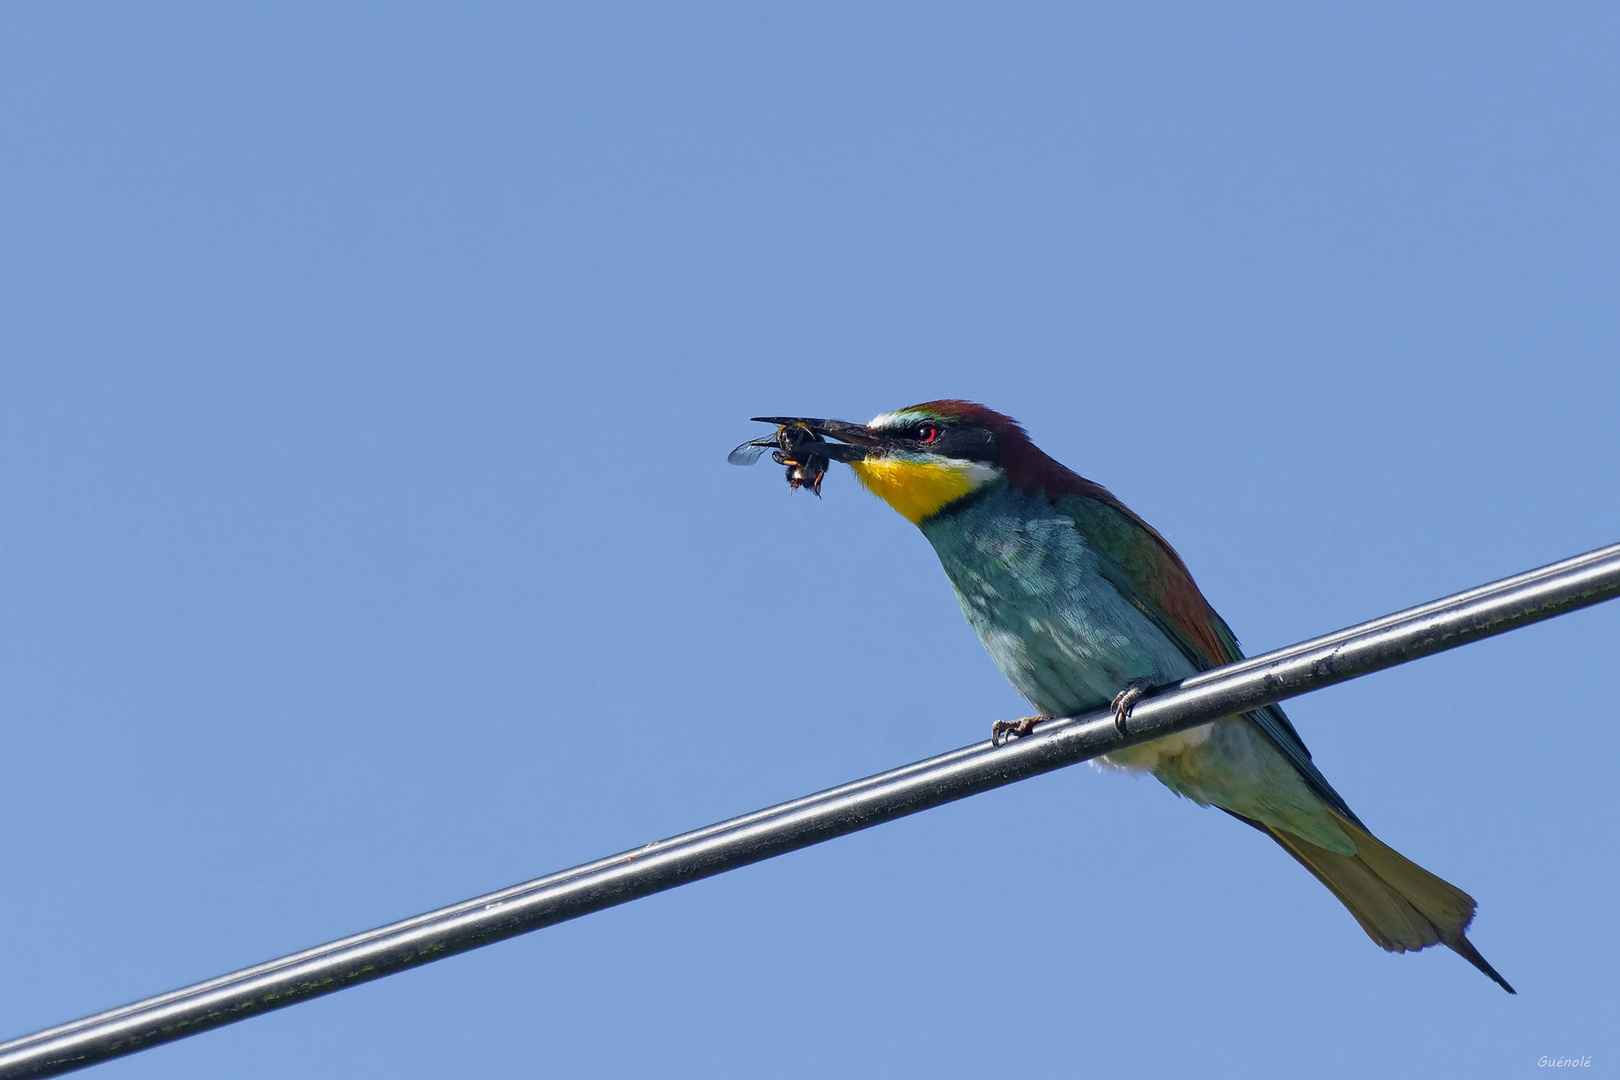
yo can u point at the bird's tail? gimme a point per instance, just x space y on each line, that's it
1402 906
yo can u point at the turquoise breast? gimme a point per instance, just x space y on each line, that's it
1029 584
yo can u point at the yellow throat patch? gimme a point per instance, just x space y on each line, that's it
919 489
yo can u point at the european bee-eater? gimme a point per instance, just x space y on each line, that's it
1081 603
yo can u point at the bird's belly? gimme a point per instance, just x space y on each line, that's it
1151 756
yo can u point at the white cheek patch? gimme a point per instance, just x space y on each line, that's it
979 472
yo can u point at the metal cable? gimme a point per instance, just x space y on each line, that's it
1310 665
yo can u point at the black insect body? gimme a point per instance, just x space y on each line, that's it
795 448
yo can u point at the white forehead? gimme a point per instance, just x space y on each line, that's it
903 418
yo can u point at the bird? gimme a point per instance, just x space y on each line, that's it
1082 604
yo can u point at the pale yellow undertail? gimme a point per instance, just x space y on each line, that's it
1401 905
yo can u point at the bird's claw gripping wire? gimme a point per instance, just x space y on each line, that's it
1126 700
1003 732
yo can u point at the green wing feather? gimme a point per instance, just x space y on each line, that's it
1149 574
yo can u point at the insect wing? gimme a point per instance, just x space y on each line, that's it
749 452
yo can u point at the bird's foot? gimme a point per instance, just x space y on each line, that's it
1126 700
1005 731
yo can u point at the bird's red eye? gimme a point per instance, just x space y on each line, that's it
927 433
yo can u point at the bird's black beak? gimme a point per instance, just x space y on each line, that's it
855 439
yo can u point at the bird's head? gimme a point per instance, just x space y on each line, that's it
924 458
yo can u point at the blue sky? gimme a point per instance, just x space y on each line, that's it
367 542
